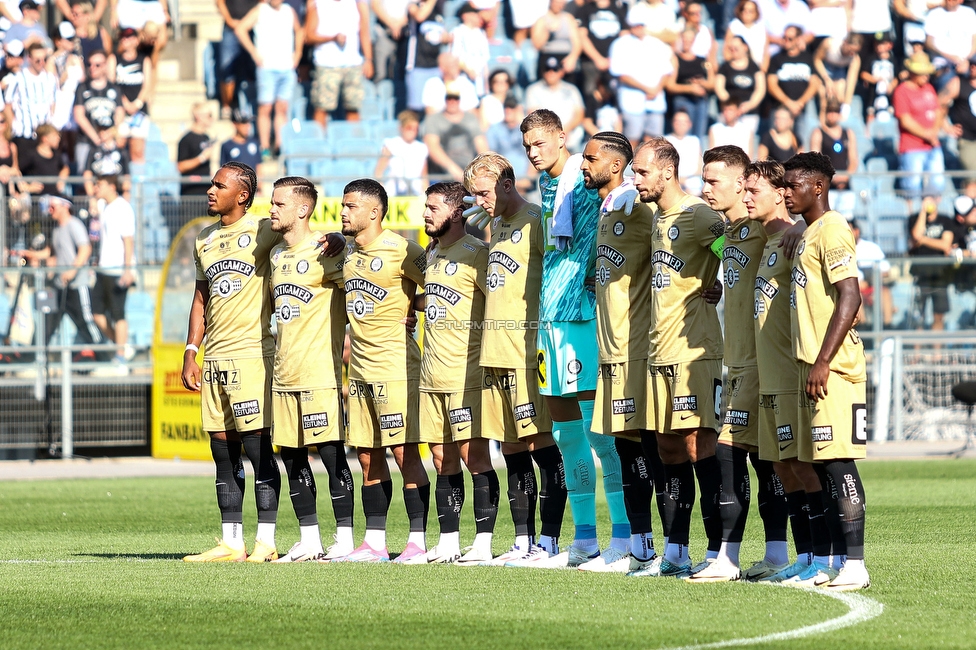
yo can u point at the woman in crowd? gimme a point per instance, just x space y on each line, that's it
492 105
748 25
740 79
779 143
693 83
557 34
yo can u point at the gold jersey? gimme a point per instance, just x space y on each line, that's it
514 282
380 281
235 263
454 292
778 370
623 284
683 326
310 311
824 257
744 242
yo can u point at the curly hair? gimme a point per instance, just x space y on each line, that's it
811 162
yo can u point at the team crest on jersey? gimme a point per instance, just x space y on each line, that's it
673 233
618 228
802 247
743 232
759 307
772 259
731 276
451 268
302 266
575 367
661 281
603 274
244 241
286 312
375 264
516 236
435 312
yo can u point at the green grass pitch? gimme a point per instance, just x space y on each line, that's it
95 564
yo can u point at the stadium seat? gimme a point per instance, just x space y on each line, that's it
384 129
300 131
883 181
891 213
357 148
372 109
343 130
503 56
156 150
140 308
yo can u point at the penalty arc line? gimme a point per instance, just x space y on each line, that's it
860 609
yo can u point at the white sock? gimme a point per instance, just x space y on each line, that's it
311 540
343 537
482 542
676 553
266 534
620 543
777 553
822 559
854 564
233 534
375 538
551 544
449 542
522 542
642 546
418 538
729 552
710 554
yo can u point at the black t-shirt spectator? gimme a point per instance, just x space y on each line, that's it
248 152
103 161
964 237
34 164
931 275
962 110
99 105
424 52
740 84
688 70
192 145
130 76
603 25
792 72
239 8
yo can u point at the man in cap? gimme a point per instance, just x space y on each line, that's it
559 96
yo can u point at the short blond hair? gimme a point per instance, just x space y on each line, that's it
493 165
408 117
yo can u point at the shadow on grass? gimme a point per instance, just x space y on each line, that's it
133 556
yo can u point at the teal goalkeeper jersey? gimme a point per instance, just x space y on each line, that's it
564 295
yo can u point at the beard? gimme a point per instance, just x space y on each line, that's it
597 180
433 231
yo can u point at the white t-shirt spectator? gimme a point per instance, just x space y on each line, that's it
31 97
871 16
755 38
740 134
689 158
952 31
274 36
777 18
647 60
658 18
403 175
470 46
868 253
435 91
118 221
338 17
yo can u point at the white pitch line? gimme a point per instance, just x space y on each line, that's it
860 609
129 559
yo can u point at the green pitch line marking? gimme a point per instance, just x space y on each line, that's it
860 609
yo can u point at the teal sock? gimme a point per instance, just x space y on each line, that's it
580 470
606 451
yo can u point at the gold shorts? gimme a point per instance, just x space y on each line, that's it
383 414
684 396
836 427
308 417
450 417
741 396
512 406
621 399
778 426
235 395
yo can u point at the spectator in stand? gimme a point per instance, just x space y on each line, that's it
828 19
730 131
911 15
30 96
232 59
838 143
12 63
961 91
426 36
951 35
838 62
450 75
505 138
920 117
694 80
488 10
194 151
500 85
98 106
134 74
878 80
556 35
343 55
964 247
116 268
559 96
931 235
90 35
792 81
868 256
69 69
777 15
525 14
644 66
469 44
658 18
739 78
748 26
689 151
871 17
600 108
18 202
390 38
779 143
149 18
98 11
403 161
704 44
453 137
107 158
600 22
242 146
276 50
29 29
44 160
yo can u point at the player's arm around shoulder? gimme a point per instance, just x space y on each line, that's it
710 227
481 266
414 263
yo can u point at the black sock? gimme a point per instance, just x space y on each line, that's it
681 495
552 489
819 534
376 504
800 521
333 456
521 492
449 499
709 476
301 484
417 503
838 545
659 478
267 476
850 505
734 498
773 509
230 480
635 477
486 495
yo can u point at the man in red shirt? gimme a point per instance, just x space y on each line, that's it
919 122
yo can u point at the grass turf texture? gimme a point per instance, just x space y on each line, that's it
95 563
